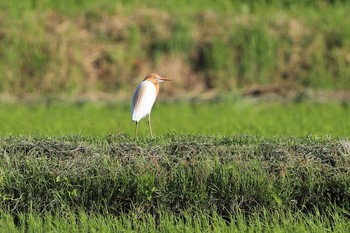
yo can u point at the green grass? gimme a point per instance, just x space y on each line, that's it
82 222
233 116
231 164
172 183
173 173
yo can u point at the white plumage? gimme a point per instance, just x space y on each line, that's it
143 100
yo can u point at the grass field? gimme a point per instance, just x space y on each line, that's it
219 162
278 222
231 164
226 117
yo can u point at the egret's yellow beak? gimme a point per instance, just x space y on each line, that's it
165 79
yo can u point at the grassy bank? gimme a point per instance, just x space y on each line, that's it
87 47
118 175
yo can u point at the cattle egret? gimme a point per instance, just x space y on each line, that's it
144 97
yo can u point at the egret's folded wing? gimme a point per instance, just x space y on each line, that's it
143 100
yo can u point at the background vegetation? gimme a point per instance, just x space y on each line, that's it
85 47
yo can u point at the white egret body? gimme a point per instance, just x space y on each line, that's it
144 98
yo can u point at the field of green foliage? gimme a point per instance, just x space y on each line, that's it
231 116
252 135
228 165
232 164
200 182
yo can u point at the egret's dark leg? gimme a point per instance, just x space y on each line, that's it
149 125
137 124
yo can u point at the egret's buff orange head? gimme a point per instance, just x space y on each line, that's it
155 78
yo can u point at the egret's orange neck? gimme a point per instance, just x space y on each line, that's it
150 78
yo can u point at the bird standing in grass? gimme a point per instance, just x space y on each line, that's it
144 97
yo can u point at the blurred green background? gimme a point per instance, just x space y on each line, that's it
90 48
